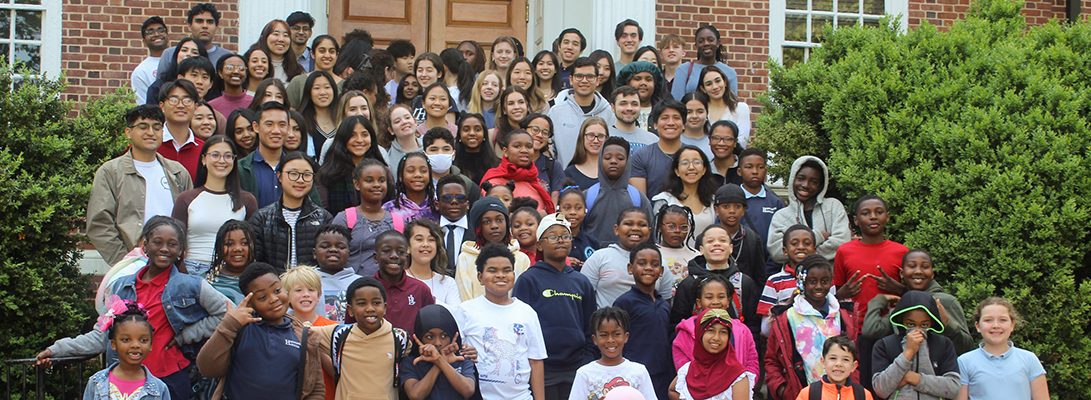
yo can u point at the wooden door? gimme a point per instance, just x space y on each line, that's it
432 25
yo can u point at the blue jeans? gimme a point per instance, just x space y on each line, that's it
199 268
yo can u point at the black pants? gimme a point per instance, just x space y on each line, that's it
558 385
178 384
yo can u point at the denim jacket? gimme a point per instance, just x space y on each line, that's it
98 387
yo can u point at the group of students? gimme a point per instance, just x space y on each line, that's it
563 232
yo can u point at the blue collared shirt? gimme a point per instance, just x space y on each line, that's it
266 177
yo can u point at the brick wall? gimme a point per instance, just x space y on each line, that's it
944 13
101 42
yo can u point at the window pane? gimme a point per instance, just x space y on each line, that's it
874 7
793 56
818 24
4 53
5 24
28 25
30 55
871 22
27 2
846 20
795 4
795 28
822 5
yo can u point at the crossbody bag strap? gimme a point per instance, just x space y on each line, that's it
301 374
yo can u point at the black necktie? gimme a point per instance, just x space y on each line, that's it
452 251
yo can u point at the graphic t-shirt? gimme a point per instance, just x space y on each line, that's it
124 390
158 199
507 337
333 293
594 380
677 261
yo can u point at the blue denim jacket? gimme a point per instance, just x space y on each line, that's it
98 387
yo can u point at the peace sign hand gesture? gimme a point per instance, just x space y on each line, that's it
243 313
428 353
888 284
450 351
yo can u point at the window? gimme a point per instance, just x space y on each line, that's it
796 26
30 34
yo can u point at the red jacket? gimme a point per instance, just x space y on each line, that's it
779 351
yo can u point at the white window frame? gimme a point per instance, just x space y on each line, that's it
777 17
50 42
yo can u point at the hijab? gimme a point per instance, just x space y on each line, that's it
435 316
711 374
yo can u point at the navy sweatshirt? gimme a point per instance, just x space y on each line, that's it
564 301
759 214
650 336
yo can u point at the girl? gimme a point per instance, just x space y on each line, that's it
674 233
486 92
401 134
324 49
241 130
234 251
352 102
187 47
690 185
269 90
649 54
217 198
408 89
204 121
714 293
489 219
798 330
518 166
913 362
435 369
613 193
429 70
697 126
723 142
503 192
550 171
294 138
428 261
574 206
709 53
521 74
284 231
175 329
474 55
998 369
503 53
524 227
437 100
473 155
351 145
584 167
607 77
513 109
607 268
275 41
545 69
724 104
368 218
414 192
460 77
319 107
257 69
712 374
130 333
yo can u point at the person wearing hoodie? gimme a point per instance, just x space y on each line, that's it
808 205
564 300
918 274
649 83
715 259
913 362
613 193
489 224
607 268
580 103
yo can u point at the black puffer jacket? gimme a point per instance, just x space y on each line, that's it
748 292
272 235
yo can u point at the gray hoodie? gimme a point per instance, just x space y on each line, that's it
567 117
828 216
613 197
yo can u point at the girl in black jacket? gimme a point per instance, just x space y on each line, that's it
284 232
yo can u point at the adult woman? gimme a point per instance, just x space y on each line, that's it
518 166
486 92
513 108
408 89
437 101
607 76
234 251
275 41
296 138
709 53
324 49
550 171
697 125
355 140
428 261
368 218
217 198
503 53
240 129
474 54
584 167
414 192
401 134
459 76
473 154
284 231
269 90
521 74
187 47
257 69
545 69
723 104
649 54
204 123
690 184
318 107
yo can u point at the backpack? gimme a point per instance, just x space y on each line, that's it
815 390
350 219
593 193
341 334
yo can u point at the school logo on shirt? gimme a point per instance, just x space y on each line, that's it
165 183
291 343
412 300
769 210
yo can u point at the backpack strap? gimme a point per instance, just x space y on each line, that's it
301 373
399 221
634 195
401 347
857 390
337 346
592 194
350 217
815 391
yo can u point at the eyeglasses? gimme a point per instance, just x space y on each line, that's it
186 101
151 31
296 176
584 77
145 126
300 28
447 198
598 137
676 228
558 238
689 163
721 139
534 130
234 68
224 156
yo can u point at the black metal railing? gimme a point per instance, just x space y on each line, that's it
64 380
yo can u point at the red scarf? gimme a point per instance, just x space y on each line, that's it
512 172
711 374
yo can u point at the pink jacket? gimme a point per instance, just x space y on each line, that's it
744 345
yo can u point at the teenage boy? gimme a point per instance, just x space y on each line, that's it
628 35
257 171
203 20
154 33
651 164
564 301
439 146
301 25
568 47
781 286
612 193
839 361
648 81
585 102
404 53
748 248
626 111
513 350
232 72
260 356
331 253
406 295
761 203
453 203
177 101
198 71
651 344
129 190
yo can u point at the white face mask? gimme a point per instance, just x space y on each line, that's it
441 162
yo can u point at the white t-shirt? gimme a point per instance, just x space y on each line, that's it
444 289
158 200
507 337
594 380
143 77
207 212
683 390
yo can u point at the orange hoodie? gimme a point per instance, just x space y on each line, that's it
831 391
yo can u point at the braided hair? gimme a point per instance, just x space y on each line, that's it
132 313
219 256
399 186
716 33
674 209
162 220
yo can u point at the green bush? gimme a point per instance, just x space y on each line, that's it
47 163
979 140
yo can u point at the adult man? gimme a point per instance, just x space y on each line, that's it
651 164
568 46
628 35
627 110
258 171
198 71
648 81
301 24
177 100
131 189
203 21
582 103
154 32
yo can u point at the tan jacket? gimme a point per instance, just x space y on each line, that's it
115 211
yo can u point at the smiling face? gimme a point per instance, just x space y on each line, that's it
515 107
187 50
272 93
219 160
584 80
145 135
817 286
669 125
236 251
707 44
132 341
838 363
691 166
502 54
605 70
304 174
611 339
471 132
545 69
629 39
163 249
497 277
258 65
293 139
714 85
633 230
713 295
322 92
570 48
522 75
368 307
539 133
201 80
371 184
325 55
360 142
357 105
674 227
800 244
649 56
392 255
301 33
696 115
271 126
716 338
644 83
494 226
614 160
422 245
243 133
179 112
157 40
716 246
233 73
303 299
331 252
402 123
593 138
411 87
646 269
279 40
807 184
672 54
917 271
871 216
436 103
416 175
995 324
523 228
519 149
574 209
627 108
427 73
269 300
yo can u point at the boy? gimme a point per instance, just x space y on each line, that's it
564 301
761 203
808 182
839 361
748 249
407 294
603 268
597 378
371 347
798 244
404 53
453 203
651 345
198 71
506 330
331 253
439 146
612 193
913 362
260 357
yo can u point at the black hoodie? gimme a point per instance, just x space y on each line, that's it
747 291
